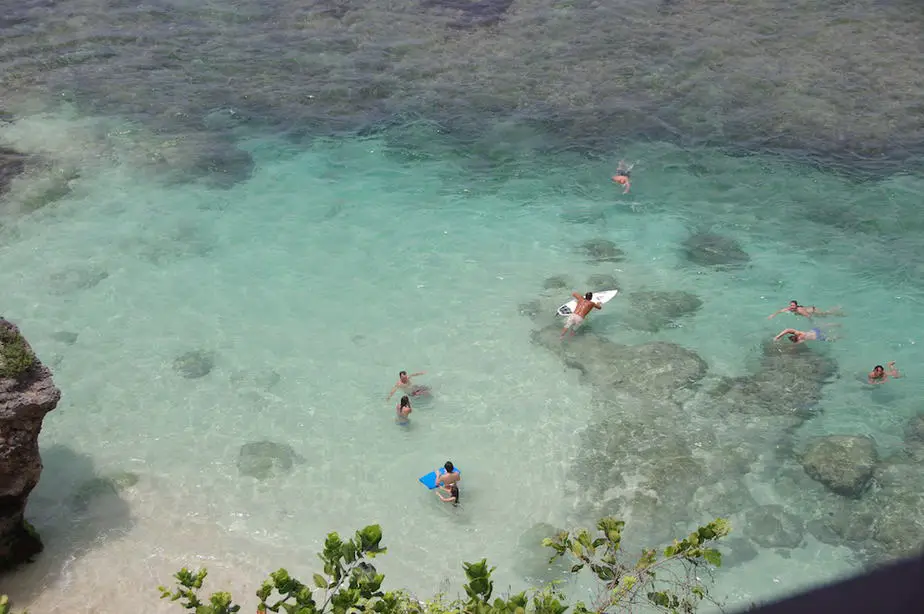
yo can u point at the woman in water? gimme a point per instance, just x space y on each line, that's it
807 312
402 410
453 491
879 375
622 175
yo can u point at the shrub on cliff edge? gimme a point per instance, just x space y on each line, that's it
16 358
666 581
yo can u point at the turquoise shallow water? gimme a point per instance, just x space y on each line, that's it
343 261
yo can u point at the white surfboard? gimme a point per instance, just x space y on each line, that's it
603 296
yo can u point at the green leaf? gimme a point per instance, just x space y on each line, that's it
577 568
320 581
713 557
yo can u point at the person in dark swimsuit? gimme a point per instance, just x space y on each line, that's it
622 175
452 491
403 410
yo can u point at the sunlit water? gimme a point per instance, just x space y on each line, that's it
340 263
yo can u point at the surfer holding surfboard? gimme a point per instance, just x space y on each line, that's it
585 304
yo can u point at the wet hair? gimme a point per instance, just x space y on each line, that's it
449 467
878 368
405 401
402 373
793 338
454 492
589 296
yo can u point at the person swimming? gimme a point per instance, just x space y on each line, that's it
405 383
799 336
403 410
880 376
622 175
585 304
807 312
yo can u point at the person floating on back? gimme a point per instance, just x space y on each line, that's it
622 175
405 383
807 312
403 410
880 376
584 306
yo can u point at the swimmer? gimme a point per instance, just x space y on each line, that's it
449 478
622 175
880 376
585 305
799 336
453 492
807 312
403 410
405 383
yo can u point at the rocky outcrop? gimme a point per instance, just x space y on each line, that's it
652 311
843 463
712 250
12 163
602 250
27 393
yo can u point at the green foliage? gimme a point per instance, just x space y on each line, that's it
16 358
350 584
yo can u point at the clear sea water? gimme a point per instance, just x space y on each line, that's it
343 259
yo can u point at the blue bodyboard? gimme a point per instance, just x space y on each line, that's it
429 480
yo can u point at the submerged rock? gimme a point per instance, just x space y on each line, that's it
12 163
708 249
195 364
532 559
843 463
914 430
771 526
77 278
602 250
65 337
24 400
602 281
788 382
266 459
102 486
652 311
650 369
555 282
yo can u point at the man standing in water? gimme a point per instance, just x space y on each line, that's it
449 478
405 384
584 306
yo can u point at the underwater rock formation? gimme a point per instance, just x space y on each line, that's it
602 250
843 463
195 364
266 459
12 163
27 393
652 311
712 250
771 526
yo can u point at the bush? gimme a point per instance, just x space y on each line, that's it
666 581
16 358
